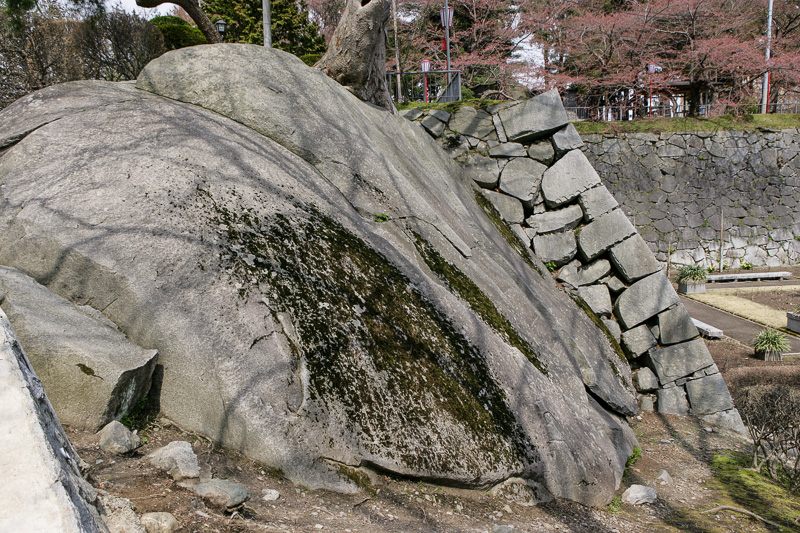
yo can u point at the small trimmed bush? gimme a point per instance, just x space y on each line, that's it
692 273
770 340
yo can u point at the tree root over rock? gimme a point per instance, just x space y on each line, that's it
743 511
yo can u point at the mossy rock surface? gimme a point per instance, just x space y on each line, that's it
320 282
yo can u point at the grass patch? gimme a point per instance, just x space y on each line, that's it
750 490
720 123
726 300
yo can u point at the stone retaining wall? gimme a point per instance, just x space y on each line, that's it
678 187
528 162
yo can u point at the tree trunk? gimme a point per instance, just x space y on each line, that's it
192 7
356 56
695 88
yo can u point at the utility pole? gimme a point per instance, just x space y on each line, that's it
765 85
268 23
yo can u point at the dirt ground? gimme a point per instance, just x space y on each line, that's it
682 446
780 298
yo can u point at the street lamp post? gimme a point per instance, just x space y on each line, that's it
265 4
446 14
220 25
426 66
765 84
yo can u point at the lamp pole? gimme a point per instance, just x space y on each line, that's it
447 21
765 84
267 23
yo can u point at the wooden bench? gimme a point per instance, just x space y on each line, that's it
748 276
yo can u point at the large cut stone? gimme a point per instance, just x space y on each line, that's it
536 118
567 139
730 419
522 178
637 341
42 487
556 220
558 248
672 401
433 125
644 299
679 360
633 258
676 325
542 151
93 374
644 380
484 171
708 395
473 122
603 233
577 275
597 298
567 178
596 202
508 150
510 208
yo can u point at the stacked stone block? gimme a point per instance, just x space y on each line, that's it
528 161
679 187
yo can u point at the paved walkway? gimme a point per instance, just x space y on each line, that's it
732 326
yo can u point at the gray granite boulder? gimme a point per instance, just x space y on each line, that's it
542 151
556 220
116 438
637 341
558 248
576 274
633 258
567 178
644 299
534 119
644 380
93 374
159 522
676 325
433 125
595 202
597 298
679 360
482 170
510 208
567 139
603 233
522 178
473 122
672 401
225 215
508 150
708 395
219 493
177 458
42 488
639 495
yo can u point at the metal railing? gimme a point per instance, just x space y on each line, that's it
431 86
622 113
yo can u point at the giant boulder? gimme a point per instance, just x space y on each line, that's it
320 284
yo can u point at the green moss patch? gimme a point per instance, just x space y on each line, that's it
510 237
477 300
719 123
374 346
